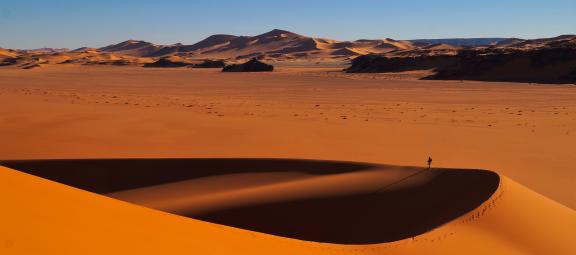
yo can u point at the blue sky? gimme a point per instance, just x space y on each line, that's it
72 24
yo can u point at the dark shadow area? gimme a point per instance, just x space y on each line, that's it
112 175
385 215
549 65
369 218
382 64
254 65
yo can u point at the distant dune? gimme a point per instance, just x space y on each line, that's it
81 56
278 44
290 45
545 60
327 205
133 48
4 53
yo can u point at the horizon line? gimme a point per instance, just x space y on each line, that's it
284 30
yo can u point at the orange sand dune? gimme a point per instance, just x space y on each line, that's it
4 53
42 216
277 45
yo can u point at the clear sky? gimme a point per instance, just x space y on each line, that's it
75 23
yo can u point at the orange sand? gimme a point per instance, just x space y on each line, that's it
526 132
44 217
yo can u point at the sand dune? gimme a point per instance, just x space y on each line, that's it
133 48
364 204
506 218
81 56
284 45
276 44
302 207
4 53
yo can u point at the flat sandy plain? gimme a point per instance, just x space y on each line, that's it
526 132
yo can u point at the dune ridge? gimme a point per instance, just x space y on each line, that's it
503 224
281 46
336 202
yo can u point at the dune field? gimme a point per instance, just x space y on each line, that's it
239 132
287 128
370 209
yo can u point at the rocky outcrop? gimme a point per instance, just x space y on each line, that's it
167 62
251 66
9 61
546 65
383 64
537 65
31 66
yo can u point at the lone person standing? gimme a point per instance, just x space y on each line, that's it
429 162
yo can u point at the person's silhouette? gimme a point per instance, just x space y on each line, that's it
429 162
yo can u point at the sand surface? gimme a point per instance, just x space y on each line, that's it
319 201
523 131
259 206
50 218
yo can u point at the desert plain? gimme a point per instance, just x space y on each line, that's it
524 132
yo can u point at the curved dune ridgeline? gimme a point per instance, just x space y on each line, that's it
321 201
449 211
111 175
391 214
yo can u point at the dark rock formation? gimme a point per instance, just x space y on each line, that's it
382 64
9 62
545 65
538 65
167 62
31 66
211 64
251 66
120 62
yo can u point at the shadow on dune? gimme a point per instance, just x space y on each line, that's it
112 175
387 213
384 216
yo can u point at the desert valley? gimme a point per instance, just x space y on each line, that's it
255 145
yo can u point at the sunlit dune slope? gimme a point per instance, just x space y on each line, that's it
44 217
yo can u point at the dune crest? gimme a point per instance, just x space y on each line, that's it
514 220
277 44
